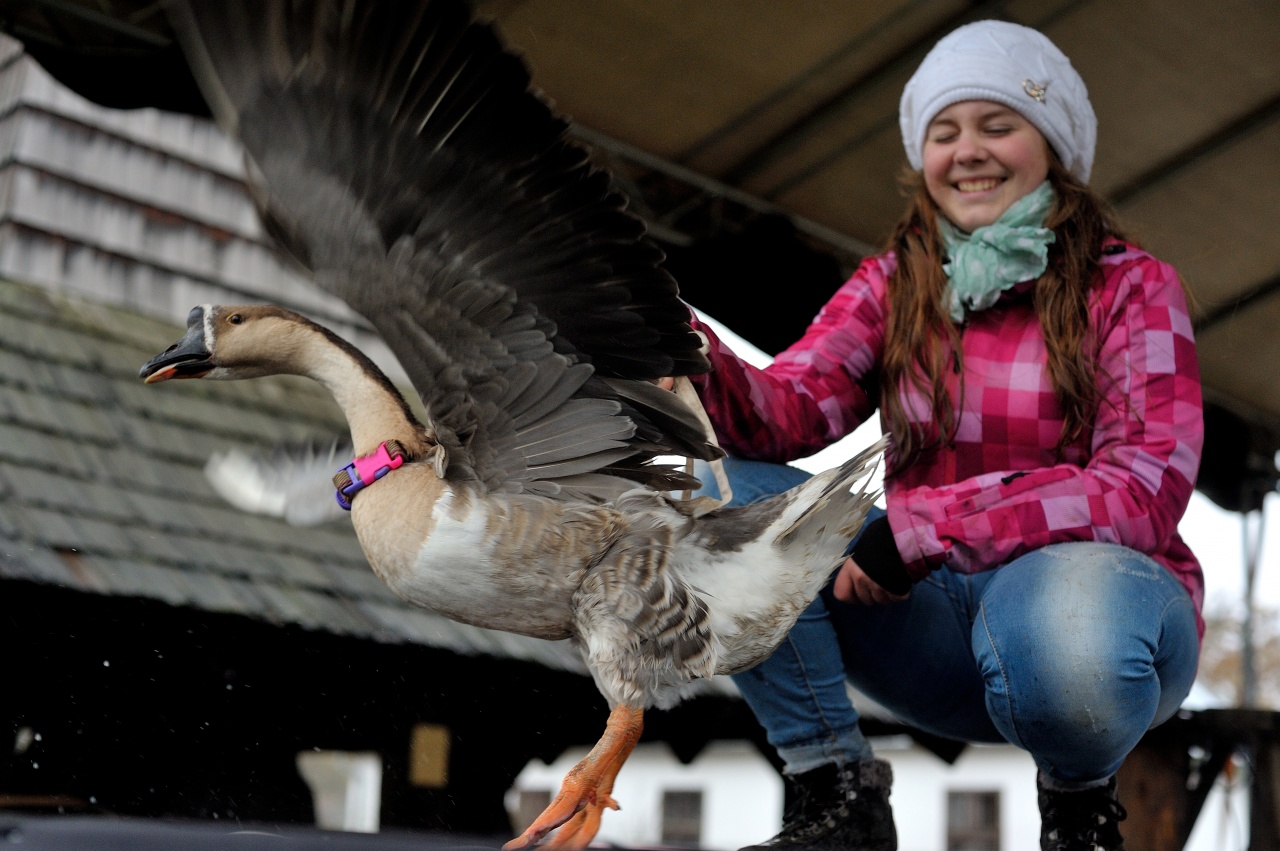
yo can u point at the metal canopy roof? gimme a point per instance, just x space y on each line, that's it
714 113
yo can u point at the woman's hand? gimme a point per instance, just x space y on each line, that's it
666 382
852 585
885 580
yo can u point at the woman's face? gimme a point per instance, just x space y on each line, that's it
979 157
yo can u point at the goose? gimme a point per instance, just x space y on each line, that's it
398 152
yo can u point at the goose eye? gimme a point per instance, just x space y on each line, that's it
235 319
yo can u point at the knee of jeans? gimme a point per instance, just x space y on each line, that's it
1072 708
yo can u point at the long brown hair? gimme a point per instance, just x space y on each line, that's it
922 343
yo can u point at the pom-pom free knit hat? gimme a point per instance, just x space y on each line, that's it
1009 64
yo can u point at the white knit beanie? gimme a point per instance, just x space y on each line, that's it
1009 64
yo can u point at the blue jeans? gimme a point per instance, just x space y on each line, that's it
1071 652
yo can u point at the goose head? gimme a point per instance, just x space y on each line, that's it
236 341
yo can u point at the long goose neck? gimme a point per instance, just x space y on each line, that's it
374 408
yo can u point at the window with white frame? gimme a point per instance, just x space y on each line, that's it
530 804
682 817
973 821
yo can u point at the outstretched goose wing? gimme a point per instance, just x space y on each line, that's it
398 152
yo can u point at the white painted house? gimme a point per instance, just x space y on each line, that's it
989 793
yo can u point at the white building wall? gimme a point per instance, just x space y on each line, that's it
922 781
743 796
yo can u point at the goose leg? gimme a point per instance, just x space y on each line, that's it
581 828
586 790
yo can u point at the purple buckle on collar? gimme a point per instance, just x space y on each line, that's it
365 470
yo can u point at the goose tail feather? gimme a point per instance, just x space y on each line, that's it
837 509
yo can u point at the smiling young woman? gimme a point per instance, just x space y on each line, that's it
980 157
1037 375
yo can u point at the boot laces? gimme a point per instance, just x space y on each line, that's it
814 814
1086 820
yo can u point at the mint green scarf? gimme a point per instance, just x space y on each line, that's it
1012 249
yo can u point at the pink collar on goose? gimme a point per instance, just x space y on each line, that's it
365 470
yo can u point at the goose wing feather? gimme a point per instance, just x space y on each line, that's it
399 153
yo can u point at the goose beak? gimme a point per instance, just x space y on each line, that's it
187 358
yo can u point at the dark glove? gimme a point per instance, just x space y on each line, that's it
877 555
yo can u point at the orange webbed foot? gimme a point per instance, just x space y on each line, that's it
586 791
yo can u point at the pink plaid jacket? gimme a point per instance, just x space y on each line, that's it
1001 490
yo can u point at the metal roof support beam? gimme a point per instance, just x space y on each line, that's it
714 189
797 83
916 54
1257 118
816 119
813 122
1261 292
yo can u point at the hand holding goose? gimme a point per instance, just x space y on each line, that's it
397 152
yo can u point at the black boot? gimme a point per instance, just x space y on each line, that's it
1080 821
838 809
